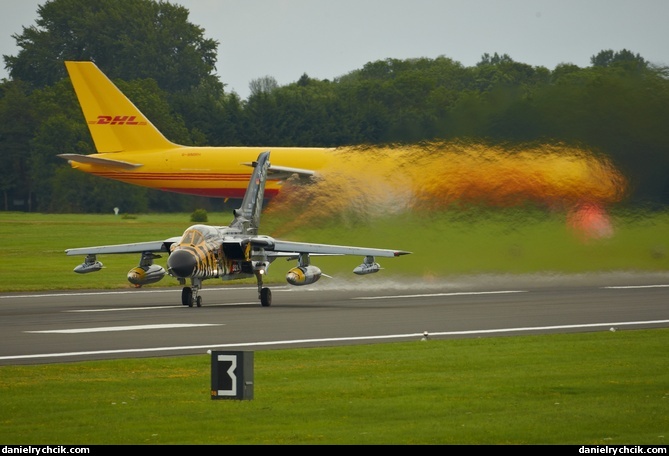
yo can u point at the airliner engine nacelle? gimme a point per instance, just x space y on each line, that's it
303 275
144 275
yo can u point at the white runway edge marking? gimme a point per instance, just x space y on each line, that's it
460 293
118 309
124 309
174 290
118 328
637 286
334 339
96 293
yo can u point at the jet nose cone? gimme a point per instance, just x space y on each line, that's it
181 263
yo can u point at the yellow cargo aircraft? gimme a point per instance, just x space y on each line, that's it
131 149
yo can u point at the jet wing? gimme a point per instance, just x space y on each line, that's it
137 247
279 246
93 160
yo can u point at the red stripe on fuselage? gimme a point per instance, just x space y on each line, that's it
149 180
180 176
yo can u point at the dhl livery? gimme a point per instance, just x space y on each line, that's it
132 150
235 251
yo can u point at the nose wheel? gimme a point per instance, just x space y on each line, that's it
190 296
265 297
264 293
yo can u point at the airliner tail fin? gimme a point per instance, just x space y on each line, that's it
115 123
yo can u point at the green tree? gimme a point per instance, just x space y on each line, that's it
151 51
625 58
128 39
263 113
76 192
616 112
59 130
18 122
213 117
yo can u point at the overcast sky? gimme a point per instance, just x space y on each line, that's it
326 39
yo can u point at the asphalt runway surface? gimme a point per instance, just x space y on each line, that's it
61 326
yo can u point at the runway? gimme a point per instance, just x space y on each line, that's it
61 326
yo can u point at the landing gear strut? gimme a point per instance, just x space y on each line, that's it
265 294
190 296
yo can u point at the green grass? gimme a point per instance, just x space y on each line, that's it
601 388
593 388
443 243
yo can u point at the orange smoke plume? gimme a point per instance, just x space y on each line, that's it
366 181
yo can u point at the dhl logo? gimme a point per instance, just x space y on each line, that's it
116 120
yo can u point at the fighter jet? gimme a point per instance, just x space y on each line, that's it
230 252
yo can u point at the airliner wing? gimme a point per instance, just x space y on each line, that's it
92 159
137 247
284 172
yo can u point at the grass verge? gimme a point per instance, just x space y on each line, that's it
593 388
443 243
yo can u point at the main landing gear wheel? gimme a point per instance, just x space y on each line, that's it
266 297
187 297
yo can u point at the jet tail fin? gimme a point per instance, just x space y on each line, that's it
114 122
247 217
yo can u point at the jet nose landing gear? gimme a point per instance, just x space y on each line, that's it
264 293
190 296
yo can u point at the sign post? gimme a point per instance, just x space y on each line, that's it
231 375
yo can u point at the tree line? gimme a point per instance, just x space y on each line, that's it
618 106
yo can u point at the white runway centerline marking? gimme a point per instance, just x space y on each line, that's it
118 328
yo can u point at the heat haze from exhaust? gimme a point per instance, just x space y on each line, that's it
369 181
